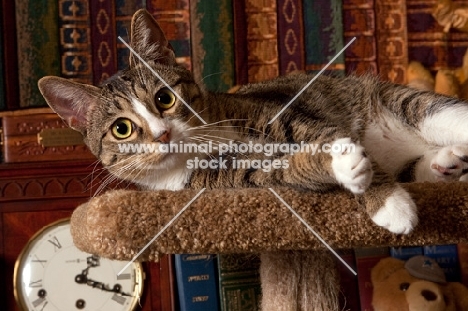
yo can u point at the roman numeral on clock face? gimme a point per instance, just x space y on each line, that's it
119 299
55 242
40 301
35 284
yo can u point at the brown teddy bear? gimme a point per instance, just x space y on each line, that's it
416 285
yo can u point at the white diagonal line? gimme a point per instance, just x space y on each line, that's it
311 81
161 231
162 80
313 231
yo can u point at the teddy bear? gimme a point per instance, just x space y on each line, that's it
418 284
450 82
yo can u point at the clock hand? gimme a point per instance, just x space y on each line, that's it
83 279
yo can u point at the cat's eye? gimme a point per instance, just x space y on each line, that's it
164 99
122 128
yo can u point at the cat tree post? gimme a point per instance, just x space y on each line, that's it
120 223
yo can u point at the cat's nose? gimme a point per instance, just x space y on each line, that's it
165 137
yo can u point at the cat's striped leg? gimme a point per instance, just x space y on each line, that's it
389 205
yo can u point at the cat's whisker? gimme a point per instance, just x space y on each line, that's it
201 139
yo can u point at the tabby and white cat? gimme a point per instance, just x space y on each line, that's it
399 132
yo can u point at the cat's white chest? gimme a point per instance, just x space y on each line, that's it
392 144
174 180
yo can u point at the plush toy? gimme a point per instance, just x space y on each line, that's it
451 82
416 285
451 15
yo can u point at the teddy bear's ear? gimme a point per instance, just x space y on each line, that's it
385 268
459 292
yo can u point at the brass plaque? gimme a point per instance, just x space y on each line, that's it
59 137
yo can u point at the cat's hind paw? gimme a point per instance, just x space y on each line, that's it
351 166
450 163
399 213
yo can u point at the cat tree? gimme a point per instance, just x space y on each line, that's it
297 271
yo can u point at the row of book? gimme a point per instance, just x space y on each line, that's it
224 42
199 282
232 282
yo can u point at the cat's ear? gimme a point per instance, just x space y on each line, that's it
70 100
148 40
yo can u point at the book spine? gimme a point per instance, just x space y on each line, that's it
366 259
427 41
10 55
392 40
239 282
196 282
212 38
462 249
447 258
290 36
174 19
262 40
124 10
38 53
102 15
323 23
405 253
359 22
75 40
240 43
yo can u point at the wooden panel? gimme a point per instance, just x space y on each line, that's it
33 195
17 230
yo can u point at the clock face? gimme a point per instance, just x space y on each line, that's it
52 274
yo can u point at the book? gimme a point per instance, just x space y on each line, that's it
290 36
427 41
324 35
103 40
359 22
240 42
392 40
212 38
124 10
349 288
41 137
447 258
406 252
10 55
196 282
174 19
262 40
462 249
38 52
366 259
239 282
75 40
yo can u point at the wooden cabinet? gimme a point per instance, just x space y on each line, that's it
33 195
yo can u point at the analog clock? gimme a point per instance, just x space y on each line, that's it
52 274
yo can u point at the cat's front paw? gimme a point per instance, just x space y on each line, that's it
399 213
351 166
450 163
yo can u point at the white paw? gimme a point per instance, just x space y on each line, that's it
351 166
399 213
450 163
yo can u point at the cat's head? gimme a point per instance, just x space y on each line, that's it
133 107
